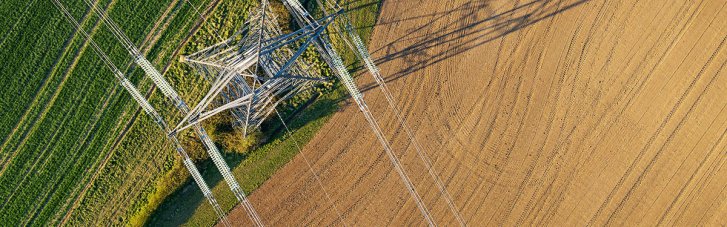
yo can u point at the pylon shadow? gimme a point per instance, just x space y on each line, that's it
466 31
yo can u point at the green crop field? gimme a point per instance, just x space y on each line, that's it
76 150
61 144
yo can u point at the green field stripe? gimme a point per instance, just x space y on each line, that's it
63 213
56 95
28 155
12 29
16 90
97 144
76 134
38 158
28 112
44 88
91 129
26 195
54 175
60 191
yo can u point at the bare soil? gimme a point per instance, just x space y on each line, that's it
535 112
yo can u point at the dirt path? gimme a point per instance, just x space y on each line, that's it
535 112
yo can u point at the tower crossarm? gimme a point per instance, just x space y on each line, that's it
212 64
300 14
220 83
303 47
207 114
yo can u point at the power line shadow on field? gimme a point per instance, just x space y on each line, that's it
462 29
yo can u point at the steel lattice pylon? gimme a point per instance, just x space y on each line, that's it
232 66
255 69
252 72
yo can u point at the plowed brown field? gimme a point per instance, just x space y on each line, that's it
535 112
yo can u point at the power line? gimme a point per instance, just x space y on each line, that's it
320 184
335 61
191 168
170 93
263 8
375 72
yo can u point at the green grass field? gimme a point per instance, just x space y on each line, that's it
76 150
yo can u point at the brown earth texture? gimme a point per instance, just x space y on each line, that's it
534 112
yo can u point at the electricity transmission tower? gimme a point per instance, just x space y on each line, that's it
255 70
233 65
